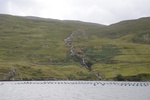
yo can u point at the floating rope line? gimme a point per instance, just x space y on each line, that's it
142 84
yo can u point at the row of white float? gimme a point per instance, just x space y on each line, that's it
79 82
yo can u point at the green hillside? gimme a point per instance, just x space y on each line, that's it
136 30
33 48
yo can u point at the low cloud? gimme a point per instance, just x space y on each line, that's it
97 11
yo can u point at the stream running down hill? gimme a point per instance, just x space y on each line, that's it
77 41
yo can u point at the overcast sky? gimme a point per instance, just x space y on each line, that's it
97 11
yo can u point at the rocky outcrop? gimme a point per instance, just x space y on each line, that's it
12 73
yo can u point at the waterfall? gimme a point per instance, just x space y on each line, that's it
77 36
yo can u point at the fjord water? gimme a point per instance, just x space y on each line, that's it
74 90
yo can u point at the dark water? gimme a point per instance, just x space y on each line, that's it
74 90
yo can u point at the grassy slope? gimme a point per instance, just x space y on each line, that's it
35 47
134 58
